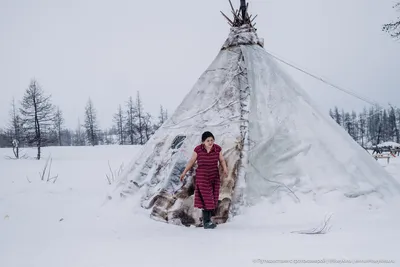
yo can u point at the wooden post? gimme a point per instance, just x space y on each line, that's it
243 8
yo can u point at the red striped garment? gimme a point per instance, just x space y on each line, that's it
207 177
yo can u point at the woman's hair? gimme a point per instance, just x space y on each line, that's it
205 135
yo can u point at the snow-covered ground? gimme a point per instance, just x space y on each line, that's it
73 223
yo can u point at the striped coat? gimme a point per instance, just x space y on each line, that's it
207 181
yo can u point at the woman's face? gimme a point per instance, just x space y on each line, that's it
209 142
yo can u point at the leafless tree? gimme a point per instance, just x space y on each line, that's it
91 124
138 124
15 129
58 124
119 120
393 28
130 120
37 114
162 117
147 127
79 136
4 140
140 119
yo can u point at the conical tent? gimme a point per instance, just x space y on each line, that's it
275 141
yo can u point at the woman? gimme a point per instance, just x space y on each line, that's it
207 154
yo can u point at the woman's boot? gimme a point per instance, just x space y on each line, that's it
207 223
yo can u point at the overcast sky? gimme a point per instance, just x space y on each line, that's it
109 50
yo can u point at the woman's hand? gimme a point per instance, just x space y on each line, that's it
225 173
189 165
182 177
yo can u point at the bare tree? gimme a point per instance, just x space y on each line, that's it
67 137
38 113
393 131
58 124
163 115
15 129
337 116
4 140
362 121
130 120
147 127
354 126
138 126
79 136
119 120
91 125
393 28
140 119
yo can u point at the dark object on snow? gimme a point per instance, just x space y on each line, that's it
207 223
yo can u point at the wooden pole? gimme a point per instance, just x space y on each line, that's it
243 8
229 21
233 9
240 16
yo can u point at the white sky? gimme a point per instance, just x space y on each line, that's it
108 50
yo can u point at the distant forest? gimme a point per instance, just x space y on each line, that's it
34 121
371 126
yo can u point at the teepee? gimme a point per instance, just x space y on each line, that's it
275 140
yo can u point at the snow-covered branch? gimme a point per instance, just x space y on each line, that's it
322 229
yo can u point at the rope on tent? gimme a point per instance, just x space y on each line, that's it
379 107
326 82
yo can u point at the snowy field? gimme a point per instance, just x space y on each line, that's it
73 223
